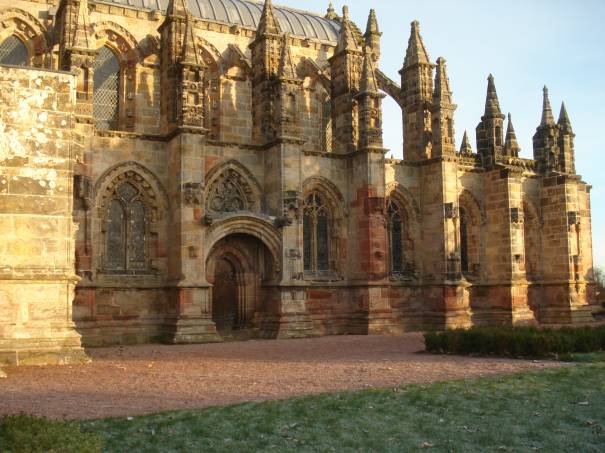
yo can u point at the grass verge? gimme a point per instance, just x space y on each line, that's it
560 410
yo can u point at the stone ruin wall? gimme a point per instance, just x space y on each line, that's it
37 275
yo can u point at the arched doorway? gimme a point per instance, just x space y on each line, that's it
240 268
225 300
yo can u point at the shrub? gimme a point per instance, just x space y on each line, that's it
25 433
517 341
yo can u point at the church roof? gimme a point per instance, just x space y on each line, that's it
247 13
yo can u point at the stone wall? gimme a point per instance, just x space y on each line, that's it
37 277
259 147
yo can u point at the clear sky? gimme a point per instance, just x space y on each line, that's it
525 44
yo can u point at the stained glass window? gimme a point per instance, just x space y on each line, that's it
116 245
464 240
395 225
126 232
316 234
13 52
325 129
137 235
307 239
106 89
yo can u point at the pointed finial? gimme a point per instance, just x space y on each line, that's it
372 26
564 121
547 117
465 146
368 76
177 8
492 105
79 34
189 53
416 52
286 66
511 146
331 13
346 37
267 23
345 12
442 93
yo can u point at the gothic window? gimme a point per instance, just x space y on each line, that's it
13 52
316 234
106 89
396 229
126 231
464 240
325 127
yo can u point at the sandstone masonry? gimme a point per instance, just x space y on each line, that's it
213 172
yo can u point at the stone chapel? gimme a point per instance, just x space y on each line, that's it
194 170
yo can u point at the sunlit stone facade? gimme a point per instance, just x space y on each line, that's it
210 169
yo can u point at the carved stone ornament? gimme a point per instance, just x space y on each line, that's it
450 211
292 203
515 215
230 192
573 218
193 193
83 190
282 221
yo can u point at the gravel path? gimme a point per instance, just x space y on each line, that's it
136 380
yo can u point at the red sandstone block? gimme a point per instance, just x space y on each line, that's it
315 294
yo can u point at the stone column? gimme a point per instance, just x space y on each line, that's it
507 291
567 254
191 320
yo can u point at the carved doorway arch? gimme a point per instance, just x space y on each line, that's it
240 268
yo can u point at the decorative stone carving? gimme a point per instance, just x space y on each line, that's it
282 221
193 193
292 204
83 190
573 218
207 220
450 211
230 192
516 215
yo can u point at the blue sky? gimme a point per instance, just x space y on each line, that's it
525 44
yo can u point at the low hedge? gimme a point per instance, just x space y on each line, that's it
516 341
25 433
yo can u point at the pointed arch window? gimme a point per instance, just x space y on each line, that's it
396 227
126 231
13 52
325 120
316 234
106 91
464 261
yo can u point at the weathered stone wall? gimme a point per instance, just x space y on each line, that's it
37 277
259 150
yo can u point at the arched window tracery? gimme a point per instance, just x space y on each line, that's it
396 231
106 89
400 240
316 234
464 243
325 122
14 52
126 231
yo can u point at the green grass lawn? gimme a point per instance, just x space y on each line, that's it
556 410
